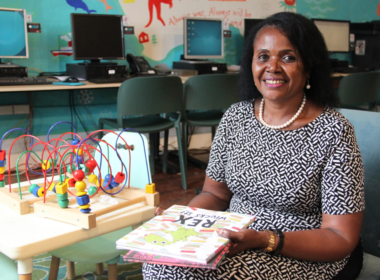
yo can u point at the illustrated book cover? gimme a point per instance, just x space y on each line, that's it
185 233
135 256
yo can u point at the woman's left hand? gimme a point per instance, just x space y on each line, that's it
244 239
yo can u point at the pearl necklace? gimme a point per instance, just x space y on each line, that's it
285 124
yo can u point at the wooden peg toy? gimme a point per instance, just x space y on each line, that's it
120 177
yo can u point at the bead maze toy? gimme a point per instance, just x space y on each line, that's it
78 164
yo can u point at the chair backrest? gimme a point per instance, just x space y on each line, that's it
149 95
367 130
211 91
359 89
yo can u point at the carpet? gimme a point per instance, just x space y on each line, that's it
84 271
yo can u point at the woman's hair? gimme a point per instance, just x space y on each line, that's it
310 46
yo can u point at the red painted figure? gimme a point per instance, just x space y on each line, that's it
157 4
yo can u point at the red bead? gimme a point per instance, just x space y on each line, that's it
78 175
120 177
72 182
3 154
2 177
90 167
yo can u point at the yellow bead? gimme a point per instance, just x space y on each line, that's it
93 178
81 193
150 188
2 170
97 183
80 186
61 188
40 192
79 153
45 165
84 206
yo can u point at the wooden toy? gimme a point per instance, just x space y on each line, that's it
76 163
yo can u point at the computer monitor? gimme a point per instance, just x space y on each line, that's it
203 38
13 34
336 34
97 37
249 23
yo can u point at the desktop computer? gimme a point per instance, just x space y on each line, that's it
95 71
13 71
202 67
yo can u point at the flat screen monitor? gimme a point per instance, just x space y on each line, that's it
336 34
249 23
97 37
13 33
203 38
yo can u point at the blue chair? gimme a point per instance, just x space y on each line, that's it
8 268
367 130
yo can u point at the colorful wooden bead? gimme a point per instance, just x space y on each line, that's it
2 170
81 193
2 184
80 159
120 177
114 184
75 142
80 186
31 187
35 191
62 196
3 162
40 192
2 177
70 169
91 164
78 152
84 206
45 165
107 185
60 188
93 178
78 175
63 203
92 190
85 210
97 183
108 177
52 188
3 154
72 182
84 168
83 200
150 188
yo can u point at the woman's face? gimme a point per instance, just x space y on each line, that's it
277 68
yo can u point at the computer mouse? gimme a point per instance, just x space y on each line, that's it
71 80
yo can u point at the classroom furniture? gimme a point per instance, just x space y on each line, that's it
367 130
206 97
359 91
8 268
142 103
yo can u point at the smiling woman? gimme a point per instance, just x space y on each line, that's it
287 157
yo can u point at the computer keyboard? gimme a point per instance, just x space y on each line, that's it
349 70
107 80
17 81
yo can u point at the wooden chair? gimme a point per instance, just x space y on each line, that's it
359 91
142 103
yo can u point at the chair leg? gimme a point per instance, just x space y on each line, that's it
213 130
99 268
70 266
184 143
151 153
54 267
181 157
165 155
100 126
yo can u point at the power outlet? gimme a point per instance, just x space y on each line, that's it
20 109
6 110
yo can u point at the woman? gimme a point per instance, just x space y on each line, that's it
285 156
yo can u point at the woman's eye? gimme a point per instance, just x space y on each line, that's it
263 57
289 58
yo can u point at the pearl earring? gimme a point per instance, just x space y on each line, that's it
308 85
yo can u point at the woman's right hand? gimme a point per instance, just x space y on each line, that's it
158 211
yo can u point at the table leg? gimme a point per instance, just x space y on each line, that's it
24 269
54 267
99 268
70 270
112 271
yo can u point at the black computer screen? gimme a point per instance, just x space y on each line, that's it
249 23
97 37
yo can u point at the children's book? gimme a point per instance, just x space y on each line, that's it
135 256
184 233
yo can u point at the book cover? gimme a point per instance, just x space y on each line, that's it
185 233
135 256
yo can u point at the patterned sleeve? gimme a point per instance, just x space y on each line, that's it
218 155
343 176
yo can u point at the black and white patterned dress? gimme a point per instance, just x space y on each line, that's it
286 179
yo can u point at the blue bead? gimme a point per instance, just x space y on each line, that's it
88 210
107 178
114 184
75 142
35 191
3 163
83 200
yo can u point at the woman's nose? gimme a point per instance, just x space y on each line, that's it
273 65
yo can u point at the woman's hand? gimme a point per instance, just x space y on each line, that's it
244 239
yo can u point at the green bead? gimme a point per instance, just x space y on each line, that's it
92 190
71 169
84 168
31 187
62 196
2 184
63 203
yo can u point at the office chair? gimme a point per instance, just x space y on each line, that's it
141 104
359 91
206 97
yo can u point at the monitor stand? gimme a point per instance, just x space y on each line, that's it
8 64
96 62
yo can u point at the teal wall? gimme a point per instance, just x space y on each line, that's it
54 17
